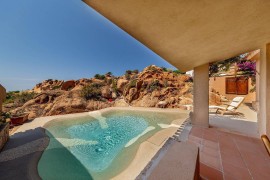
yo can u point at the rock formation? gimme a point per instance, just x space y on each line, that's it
153 87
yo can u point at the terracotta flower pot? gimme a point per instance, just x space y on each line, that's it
19 120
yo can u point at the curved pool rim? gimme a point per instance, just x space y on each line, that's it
136 109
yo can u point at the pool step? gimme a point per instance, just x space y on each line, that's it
177 134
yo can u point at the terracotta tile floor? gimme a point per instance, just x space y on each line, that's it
225 155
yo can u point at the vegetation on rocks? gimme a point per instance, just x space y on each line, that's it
19 98
92 91
140 89
3 118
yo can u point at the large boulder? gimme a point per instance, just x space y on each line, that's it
121 83
68 85
106 92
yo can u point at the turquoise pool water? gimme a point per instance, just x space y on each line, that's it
98 146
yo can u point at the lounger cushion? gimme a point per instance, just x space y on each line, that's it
217 107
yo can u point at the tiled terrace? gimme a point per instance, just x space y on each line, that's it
226 155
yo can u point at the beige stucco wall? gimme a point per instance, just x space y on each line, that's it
2 96
219 84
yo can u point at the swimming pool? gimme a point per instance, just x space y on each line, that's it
98 145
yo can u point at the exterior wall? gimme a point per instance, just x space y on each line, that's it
200 115
219 84
2 96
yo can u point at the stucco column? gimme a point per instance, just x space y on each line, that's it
264 92
200 116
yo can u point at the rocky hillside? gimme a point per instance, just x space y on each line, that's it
153 87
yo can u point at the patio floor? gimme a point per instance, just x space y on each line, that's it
227 155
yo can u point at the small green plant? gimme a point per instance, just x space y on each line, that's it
19 97
109 73
127 76
128 71
132 83
23 97
114 85
92 91
177 72
165 82
3 118
11 96
101 77
136 71
153 86
108 81
56 87
164 69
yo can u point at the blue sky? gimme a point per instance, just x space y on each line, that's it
63 39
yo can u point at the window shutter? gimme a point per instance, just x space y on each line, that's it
231 85
242 85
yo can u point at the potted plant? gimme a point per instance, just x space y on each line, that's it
4 129
19 118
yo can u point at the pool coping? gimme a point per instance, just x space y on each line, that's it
146 151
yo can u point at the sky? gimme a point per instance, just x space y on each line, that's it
64 40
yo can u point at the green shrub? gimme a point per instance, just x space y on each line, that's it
98 76
92 91
109 73
153 86
127 76
136 71
3 118
132 83
56 87
177 72
114 85
23 97
19 97
128 71
108 80
164 69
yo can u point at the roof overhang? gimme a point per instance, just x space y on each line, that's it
190 33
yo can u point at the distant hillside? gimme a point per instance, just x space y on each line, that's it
153 87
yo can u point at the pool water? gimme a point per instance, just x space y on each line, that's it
98 146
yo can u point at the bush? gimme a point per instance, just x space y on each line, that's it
23 97
153 86
98 76
128 71
127 76
56 87
132 83
114 85
108 80
19 97
3 118
177 72
136 71
92 91
109 73
11 96
164 69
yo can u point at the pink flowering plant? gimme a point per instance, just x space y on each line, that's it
248 68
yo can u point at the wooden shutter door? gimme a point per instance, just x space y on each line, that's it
231 85
242 86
